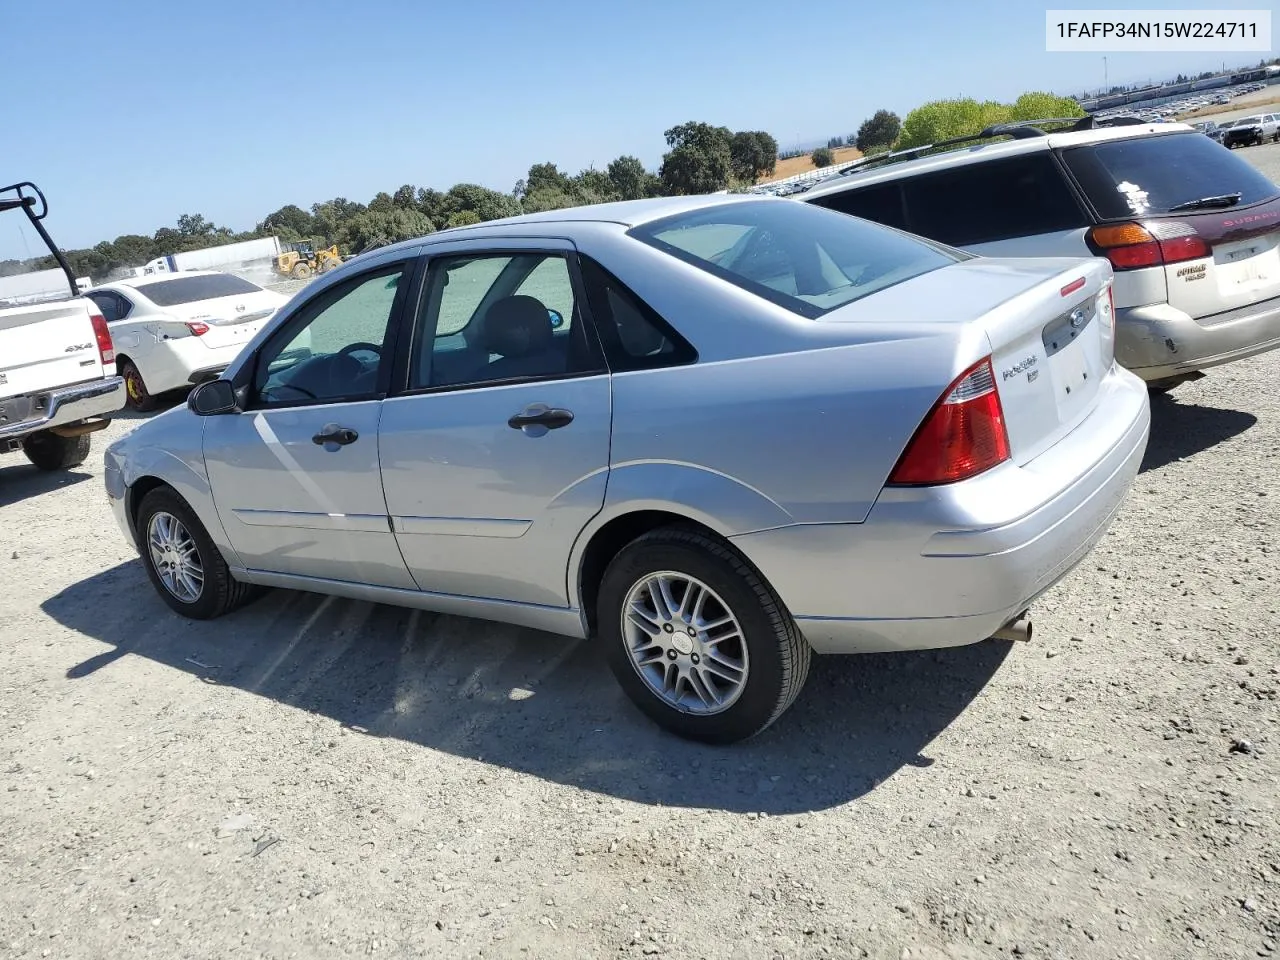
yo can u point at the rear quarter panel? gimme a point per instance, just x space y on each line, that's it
801 437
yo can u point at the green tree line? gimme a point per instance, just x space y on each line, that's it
700 158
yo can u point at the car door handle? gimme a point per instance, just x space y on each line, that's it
541 416
332 433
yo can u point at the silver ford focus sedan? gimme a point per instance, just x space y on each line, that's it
715 434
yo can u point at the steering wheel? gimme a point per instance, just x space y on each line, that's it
351 348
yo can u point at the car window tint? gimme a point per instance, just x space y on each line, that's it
994 200
170 293
880 202
486 319
468 280
331 349
108 304
782 250
635 337
1150 175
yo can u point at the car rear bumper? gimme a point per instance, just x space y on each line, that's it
946 566
66 405
1158 341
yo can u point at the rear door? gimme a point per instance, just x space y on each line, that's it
1157 180
496 455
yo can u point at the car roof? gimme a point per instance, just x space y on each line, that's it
982 153
623 213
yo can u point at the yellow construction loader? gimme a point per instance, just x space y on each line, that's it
301 260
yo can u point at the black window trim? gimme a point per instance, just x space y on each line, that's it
400 387
245 382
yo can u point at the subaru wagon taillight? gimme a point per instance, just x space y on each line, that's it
1132 246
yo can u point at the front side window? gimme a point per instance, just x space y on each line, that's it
488 318
993 200
797 255
332 348
170 293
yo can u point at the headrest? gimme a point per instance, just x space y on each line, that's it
516 327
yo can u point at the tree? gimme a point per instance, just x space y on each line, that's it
754 154
406 197
382 202
1042 106
881 127
545 176
376 228
631 181
194 225
290 223
835 143
462 218
328 218
823 157
699 160
485 203
941 119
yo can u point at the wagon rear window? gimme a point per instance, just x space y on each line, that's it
1148 176
799 256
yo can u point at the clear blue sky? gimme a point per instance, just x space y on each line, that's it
131 113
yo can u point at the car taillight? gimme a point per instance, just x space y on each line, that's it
1131 246
198 328
106 349
963 435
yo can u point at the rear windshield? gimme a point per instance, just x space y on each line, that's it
1148 175
799 256
170 293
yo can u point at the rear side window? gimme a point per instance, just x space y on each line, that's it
169 293
1151 175
996 200
804 258
881 203
635 337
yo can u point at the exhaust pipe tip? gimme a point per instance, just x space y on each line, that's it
1018 629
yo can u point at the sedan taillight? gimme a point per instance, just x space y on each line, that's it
963 435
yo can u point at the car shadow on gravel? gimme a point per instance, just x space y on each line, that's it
533 702
21 481
1180 430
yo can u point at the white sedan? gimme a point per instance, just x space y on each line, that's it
176 330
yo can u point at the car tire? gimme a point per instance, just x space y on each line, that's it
49 452
302 271
137 396
160 541
774 658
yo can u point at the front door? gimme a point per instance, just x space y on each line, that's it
498 454
295 476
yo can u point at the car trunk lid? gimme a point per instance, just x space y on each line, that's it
227 320
1046 323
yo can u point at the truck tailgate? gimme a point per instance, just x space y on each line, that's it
47 345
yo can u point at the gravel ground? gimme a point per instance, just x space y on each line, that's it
323 778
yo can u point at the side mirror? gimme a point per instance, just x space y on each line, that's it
212 398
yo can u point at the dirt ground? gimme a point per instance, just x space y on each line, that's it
321 778
803 164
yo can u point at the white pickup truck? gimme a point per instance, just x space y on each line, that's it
58 380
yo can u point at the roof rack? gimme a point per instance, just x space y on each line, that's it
1021 130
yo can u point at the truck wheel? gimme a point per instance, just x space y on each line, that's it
301 271
182 561
48 451
696 639
136 393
